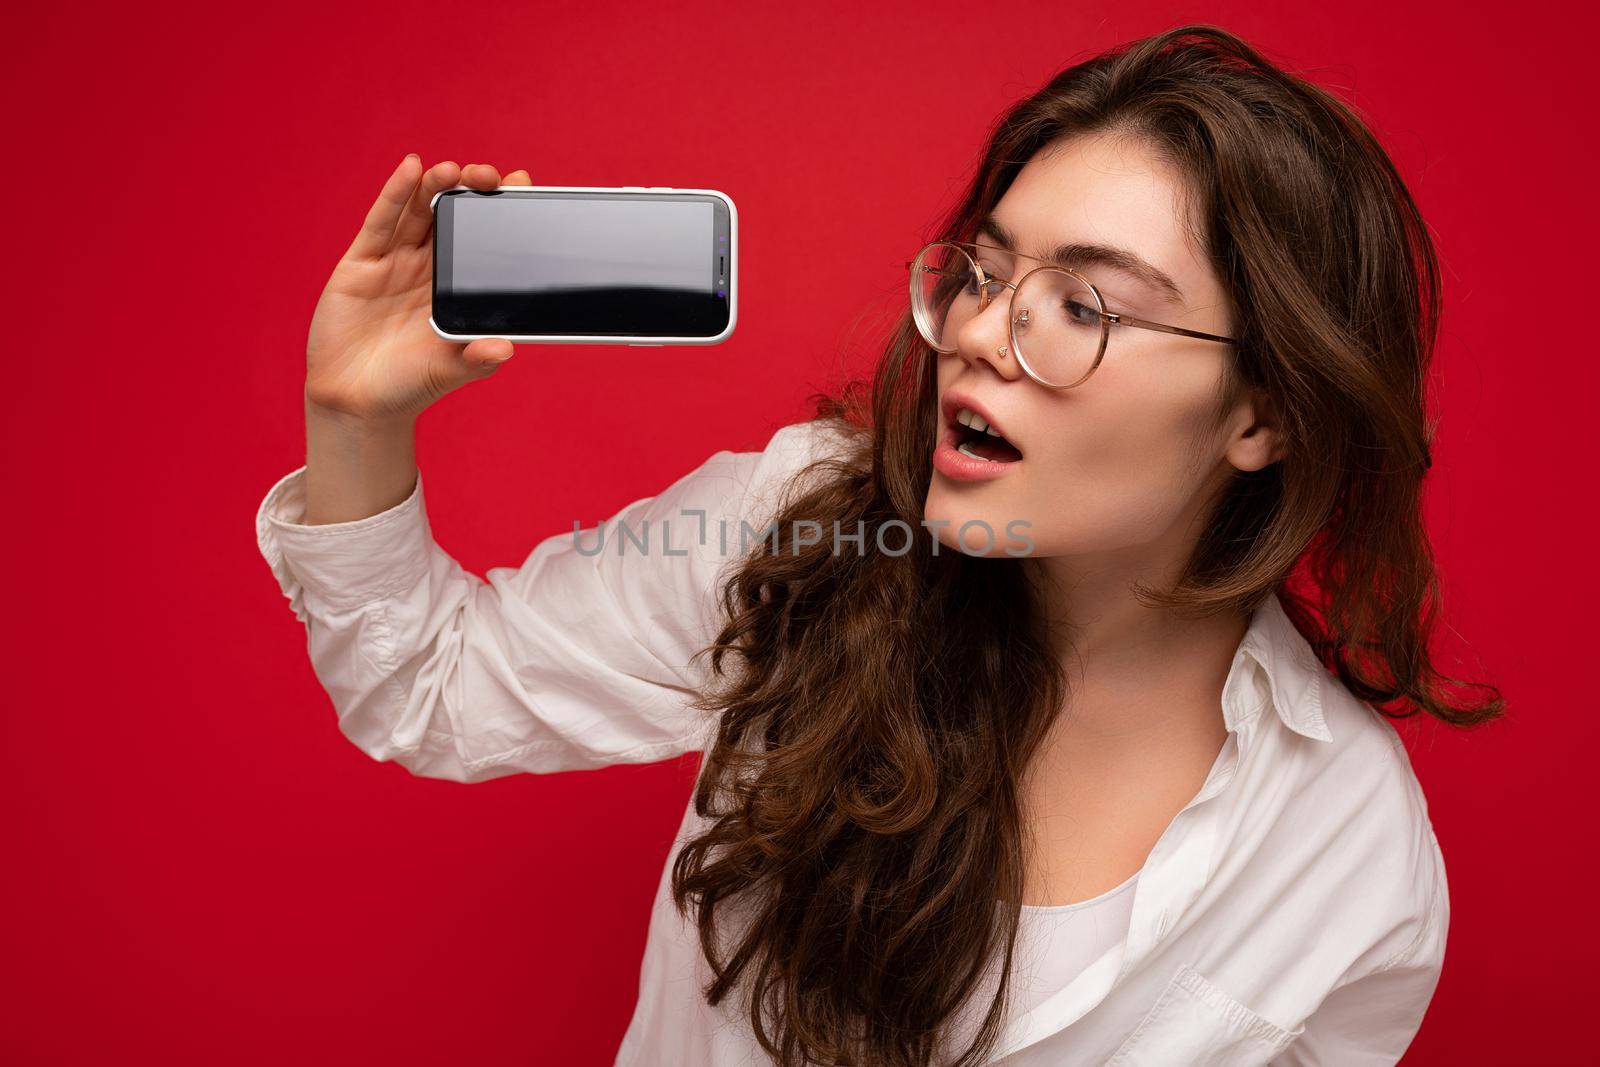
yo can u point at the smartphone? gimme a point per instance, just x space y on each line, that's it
561 264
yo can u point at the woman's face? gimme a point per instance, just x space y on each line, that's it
1124 462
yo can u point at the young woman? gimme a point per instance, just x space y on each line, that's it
1037 684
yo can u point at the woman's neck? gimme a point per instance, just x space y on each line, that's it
1132 669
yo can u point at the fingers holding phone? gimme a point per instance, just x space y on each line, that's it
417 220
371 352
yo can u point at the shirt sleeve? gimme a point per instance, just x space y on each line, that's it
1371 1021
579 658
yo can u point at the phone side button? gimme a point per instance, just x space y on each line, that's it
644 344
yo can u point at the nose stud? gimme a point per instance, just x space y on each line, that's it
1001 351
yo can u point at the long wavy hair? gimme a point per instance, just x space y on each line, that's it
863 860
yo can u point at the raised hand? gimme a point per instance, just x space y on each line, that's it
370 353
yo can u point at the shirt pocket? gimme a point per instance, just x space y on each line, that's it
1194 1023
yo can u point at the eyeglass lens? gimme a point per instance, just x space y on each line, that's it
1058 331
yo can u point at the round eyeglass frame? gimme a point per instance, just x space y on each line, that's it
1108 319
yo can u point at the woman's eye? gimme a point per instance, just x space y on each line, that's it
992 284
1082 313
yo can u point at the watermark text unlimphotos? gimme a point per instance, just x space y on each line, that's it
892 538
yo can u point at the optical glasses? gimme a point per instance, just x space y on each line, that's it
1058 324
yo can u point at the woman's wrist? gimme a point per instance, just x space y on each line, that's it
356 466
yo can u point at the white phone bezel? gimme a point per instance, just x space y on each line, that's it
640 341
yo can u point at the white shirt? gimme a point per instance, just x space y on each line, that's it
1293 912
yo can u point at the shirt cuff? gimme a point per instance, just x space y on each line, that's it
341 564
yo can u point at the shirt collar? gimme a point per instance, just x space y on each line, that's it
1295 676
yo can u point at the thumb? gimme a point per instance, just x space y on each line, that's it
484 355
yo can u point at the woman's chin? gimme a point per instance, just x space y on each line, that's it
979 534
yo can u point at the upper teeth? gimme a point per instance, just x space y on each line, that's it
972 420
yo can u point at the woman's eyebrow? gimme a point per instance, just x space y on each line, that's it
1077 255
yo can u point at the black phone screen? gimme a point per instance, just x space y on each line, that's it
599 264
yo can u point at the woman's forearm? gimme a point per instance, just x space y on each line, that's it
356 467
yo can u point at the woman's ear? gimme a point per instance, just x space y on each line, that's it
1256 436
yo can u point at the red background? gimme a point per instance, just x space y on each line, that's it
202 870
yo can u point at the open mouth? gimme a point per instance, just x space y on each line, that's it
976 439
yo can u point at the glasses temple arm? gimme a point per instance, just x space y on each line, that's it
1146 324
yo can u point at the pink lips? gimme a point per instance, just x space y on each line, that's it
956 465
964 468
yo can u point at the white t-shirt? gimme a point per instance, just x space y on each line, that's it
1060 941
1055 945
1294 911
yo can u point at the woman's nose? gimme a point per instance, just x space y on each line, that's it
985 337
